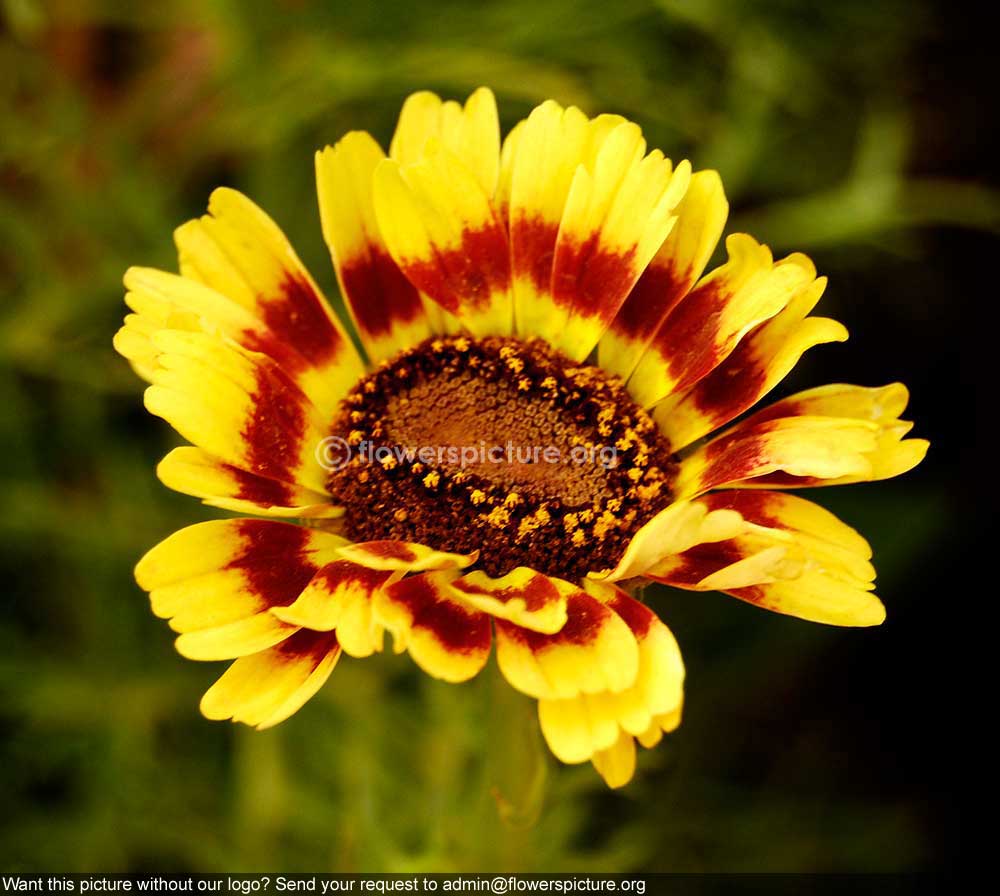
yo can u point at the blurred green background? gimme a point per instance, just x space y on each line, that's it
853 130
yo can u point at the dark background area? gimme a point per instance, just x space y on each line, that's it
857 131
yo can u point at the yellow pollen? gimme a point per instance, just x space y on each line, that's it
432 479
626 441
527 526
498 517
478 496
649 490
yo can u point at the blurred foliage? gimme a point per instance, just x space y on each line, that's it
848 129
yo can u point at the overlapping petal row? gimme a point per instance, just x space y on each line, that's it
285 601
571 232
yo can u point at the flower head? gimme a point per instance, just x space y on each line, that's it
531 435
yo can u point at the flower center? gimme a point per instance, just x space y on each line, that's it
504 447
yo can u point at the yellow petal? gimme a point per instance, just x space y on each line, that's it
386 308
594 651
680 261
340 597
523 596
238 251
404 556
445 637
471 133
673 530
238 406
445 235
196 472
704 328
224 571
617 764
235 639
267 687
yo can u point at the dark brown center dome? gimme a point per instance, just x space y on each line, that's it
504 447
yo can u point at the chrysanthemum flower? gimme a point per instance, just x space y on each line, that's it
543 295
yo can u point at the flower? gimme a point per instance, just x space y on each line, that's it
530 440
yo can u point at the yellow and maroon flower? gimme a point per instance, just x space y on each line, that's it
529 439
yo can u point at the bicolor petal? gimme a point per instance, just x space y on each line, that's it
403 556
216 582
796 558
444 234
831 435
388 311
446 637
265 688
340 597
758 363
703 329
195 472
616 217
551 146
588 209
238 251
523 596
584 727
676 267
809 448
672 531
238 406
594 651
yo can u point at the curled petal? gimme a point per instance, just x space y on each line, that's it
523 596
